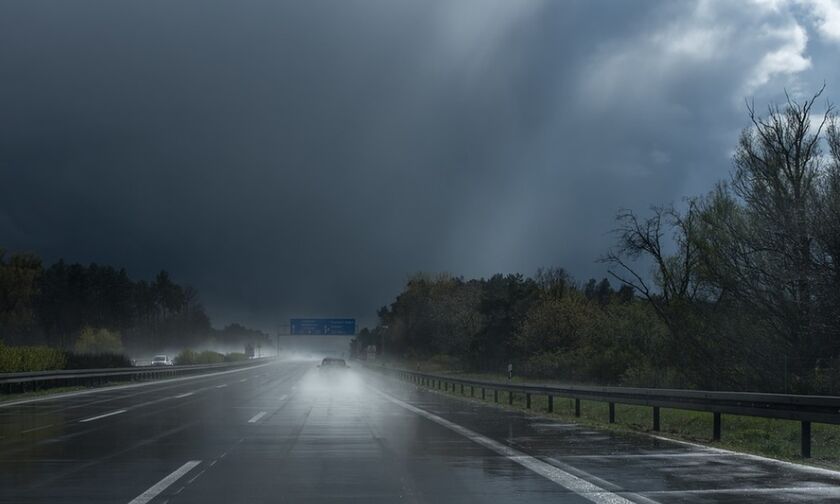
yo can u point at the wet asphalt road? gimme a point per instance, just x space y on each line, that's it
283 433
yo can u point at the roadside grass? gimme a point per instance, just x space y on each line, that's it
768 437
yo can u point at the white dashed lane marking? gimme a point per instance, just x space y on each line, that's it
256 418
165 483
103 416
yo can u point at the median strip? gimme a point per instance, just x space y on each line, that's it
64 395
91 419
165 483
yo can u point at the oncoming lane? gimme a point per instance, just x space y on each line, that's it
113 457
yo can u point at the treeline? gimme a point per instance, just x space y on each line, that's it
737 289
547 326
97 308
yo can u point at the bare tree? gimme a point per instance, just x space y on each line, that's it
674 278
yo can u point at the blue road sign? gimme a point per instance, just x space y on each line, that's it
343 326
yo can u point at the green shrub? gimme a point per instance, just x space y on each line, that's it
210 357
188 356
235 357
17 359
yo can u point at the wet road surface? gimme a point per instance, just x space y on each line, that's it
284 433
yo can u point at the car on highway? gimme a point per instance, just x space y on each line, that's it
332 365
161 360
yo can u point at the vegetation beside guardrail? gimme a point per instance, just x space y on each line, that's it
802 408
207 357
30 358
19 359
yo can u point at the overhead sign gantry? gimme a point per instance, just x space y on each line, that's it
322 326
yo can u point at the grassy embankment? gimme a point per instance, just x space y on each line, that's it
761 436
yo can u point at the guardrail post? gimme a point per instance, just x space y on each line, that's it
612 412
577 407
510 397
656 418
551 404
472 391
806 439
495 395
716 427
462 389
483 394
528 401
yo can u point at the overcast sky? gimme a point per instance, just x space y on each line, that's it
302 158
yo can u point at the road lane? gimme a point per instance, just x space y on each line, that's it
286 434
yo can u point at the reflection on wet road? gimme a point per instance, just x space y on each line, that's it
288 433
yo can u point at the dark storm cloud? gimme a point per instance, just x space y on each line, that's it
302 158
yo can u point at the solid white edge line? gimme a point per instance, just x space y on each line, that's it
815 489
223 385
581 487
783 463
256 418
822 471
163 484
52 397
181 396
112 413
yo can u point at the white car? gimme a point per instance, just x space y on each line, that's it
161 360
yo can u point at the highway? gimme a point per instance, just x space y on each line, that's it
281 432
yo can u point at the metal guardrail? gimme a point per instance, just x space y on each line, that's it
803 408
11 383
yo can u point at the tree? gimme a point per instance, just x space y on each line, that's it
768 238
505 302
556 324
19 278
98 341
675 281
